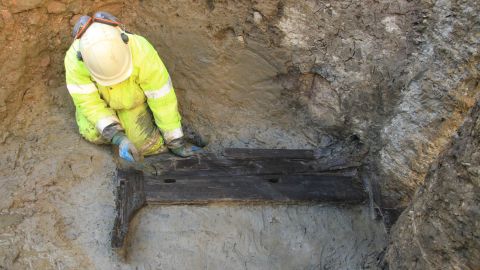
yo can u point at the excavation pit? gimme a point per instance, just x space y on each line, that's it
377 90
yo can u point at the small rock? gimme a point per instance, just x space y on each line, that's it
257 17
51 82
56 7
45 61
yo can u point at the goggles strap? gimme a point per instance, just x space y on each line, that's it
83 28
106 21
90 21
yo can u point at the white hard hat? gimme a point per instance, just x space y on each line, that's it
106 55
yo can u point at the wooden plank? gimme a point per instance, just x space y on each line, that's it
248 153
242 175
167 189
216 166
130 198
213 165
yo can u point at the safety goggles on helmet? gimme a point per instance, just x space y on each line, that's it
84 22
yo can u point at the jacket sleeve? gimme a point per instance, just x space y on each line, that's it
85 94
157 86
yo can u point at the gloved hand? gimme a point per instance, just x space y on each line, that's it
126 149
183 149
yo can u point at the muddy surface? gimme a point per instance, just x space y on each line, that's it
256 237
59 211
397 77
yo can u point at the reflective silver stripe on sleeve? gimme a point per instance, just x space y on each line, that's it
158 93
105 122
172 134
81 88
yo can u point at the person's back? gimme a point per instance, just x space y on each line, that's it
122 91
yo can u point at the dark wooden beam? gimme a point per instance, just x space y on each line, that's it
170 189
240 176
130 198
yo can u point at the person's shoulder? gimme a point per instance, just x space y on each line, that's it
75 68
141 49
140 41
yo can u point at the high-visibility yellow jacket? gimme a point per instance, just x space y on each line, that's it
149 82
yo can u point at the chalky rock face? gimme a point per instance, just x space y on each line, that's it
440 229
441 86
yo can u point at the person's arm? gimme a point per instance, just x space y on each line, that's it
157 86
86 97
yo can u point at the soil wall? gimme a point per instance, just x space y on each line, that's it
440 228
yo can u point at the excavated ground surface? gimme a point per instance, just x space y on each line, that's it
59 212
398 76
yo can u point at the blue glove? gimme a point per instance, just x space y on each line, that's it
126 149
183 149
